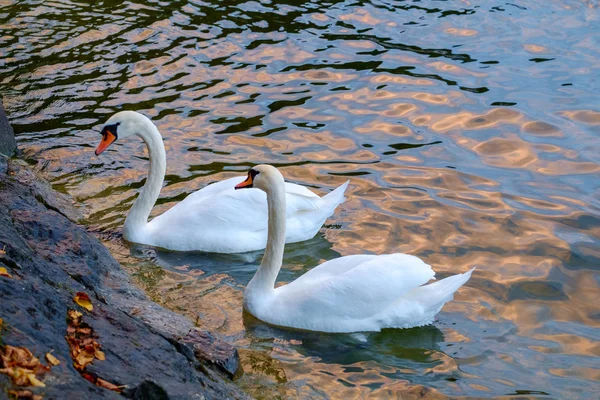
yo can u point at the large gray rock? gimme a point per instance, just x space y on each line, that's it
50 259
214 351
8 145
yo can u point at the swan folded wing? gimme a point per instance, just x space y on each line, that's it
359 292
298 198
237 222
214 189
299 190
241 210
332 268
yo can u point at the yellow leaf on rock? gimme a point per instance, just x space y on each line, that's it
83 300
4 272
18 375
100 355
83 359
33 381
52 360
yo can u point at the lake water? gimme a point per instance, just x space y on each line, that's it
469 130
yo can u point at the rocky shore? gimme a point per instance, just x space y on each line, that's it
146 351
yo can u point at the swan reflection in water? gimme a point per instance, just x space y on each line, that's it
413 345
240 267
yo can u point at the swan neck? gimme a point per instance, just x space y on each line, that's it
271 263
137 218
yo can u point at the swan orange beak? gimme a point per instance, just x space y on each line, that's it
107 138
247 183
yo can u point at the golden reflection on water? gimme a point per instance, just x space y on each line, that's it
469 136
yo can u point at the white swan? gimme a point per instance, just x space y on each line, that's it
216 218
348 294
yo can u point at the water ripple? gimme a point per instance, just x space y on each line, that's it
469 131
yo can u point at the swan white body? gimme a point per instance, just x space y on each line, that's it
216 218
348 294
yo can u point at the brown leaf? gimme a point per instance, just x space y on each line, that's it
3 250
52 360
89 377
25 395
22 366
31 363
83 359
74 315
19 353
110 386
0 324
18 356
83 300
90 348
4 273
84 331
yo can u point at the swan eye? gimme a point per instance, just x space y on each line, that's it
253 173
109 135
112 129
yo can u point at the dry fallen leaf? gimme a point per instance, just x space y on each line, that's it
3 250
52 360
102 383
0 324
82 341
84 331
83 359
100 355
83 300
84 348
111 386
33 381
21 365
4 272
72 314
25 395
90 377
18 356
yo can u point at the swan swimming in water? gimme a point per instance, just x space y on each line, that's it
357 293
216 218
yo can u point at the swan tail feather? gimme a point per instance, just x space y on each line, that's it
419 306
435 295
336 197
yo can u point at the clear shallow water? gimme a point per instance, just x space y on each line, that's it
469 130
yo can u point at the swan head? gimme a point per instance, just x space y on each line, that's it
263 177
121 125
